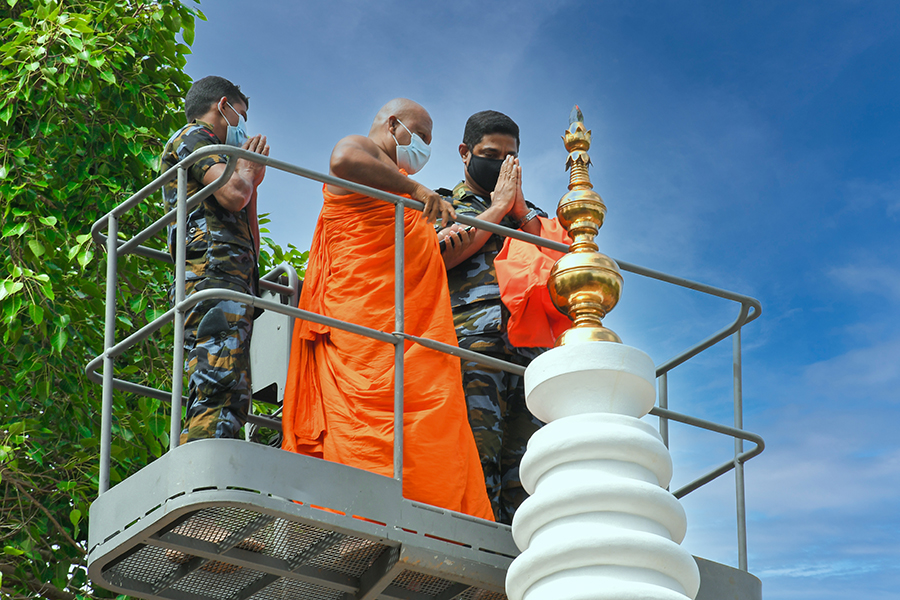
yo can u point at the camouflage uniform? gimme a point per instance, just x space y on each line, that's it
498 416
220 254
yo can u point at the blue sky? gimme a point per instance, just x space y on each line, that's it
750 146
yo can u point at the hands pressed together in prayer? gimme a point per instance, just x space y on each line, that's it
240 190
253 170
508 196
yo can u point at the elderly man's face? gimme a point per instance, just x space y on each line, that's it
417 122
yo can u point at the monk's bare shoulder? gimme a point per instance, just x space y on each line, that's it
351 151
358 141
353 158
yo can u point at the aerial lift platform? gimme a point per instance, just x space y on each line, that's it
236 520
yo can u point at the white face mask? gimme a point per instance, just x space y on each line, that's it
237 134
412 157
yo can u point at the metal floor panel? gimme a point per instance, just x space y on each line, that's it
229 520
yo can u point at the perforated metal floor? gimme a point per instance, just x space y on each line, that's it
228 520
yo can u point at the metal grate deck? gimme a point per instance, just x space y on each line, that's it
228 520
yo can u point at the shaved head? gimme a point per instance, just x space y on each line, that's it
403 109
397 146
396 122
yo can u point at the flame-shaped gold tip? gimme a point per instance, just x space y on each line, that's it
575 116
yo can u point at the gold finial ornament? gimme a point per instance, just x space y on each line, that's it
584 284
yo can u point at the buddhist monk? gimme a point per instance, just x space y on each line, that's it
338 401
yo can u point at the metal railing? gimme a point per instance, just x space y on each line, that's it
749 310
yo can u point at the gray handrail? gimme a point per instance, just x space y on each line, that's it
105 231
132 245
712 426
270 305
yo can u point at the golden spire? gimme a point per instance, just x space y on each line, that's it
584 284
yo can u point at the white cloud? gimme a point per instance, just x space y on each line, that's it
863 194
880 279
819 570
833 470
821 503
822 498
868 375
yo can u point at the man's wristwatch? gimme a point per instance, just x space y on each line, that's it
528 216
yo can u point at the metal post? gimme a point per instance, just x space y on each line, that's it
738 449
399 344
178 350
664 403
109 340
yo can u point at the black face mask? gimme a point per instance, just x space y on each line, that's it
485 171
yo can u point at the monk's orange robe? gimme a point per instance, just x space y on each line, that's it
338 401
522 273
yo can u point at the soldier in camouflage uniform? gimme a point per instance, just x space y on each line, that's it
491 191
222 240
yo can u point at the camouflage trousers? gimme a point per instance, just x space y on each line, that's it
217 362
501 424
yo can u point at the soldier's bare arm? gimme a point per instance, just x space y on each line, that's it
252 216
239 189
261 147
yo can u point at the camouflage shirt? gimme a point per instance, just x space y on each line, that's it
474 289
220 243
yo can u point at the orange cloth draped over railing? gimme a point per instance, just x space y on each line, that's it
522 272
338 401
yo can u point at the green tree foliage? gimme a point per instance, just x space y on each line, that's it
89 92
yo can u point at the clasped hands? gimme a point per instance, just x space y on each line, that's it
507 195
253 170
507 198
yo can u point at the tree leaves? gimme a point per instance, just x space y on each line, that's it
85 257
58 340
9 288
15 229
89 91
36 313
36 247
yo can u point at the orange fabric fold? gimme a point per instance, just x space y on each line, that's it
339 396
522 272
